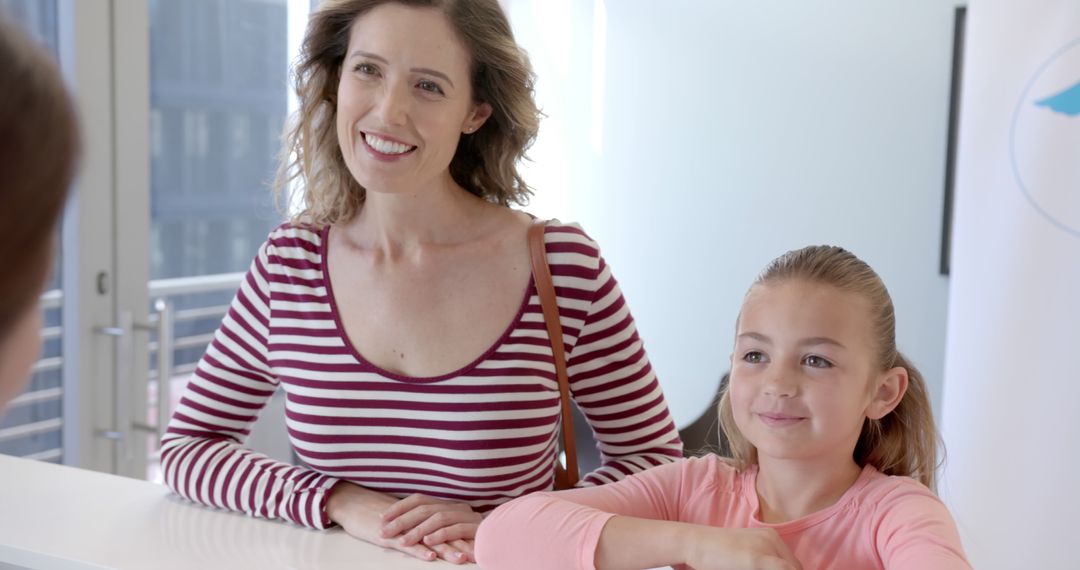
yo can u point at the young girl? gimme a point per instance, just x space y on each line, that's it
834 452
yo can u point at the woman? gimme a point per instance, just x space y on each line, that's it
397 309
37 160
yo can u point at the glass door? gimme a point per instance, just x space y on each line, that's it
181 105
219 88
69 412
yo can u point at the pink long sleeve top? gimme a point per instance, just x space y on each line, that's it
880 522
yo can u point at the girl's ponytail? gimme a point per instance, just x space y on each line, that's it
906 441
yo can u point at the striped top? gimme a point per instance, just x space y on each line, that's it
481 435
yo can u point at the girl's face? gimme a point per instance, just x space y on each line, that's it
404 98
803 375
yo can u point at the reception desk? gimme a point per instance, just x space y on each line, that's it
57 517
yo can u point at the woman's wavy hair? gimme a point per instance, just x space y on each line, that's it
904 442
485 162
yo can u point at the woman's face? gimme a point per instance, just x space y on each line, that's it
19 350
404 99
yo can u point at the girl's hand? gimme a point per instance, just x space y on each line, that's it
711 548
359 511
420 519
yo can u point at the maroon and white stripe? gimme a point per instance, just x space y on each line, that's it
482 435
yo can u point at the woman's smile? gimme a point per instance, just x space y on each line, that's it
385 148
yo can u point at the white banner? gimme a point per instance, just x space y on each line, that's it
1011 408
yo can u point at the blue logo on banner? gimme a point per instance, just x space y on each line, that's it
1067 102
1045 139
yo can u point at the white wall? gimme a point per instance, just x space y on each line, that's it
1012 380
698 141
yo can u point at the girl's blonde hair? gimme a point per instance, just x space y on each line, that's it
485 162
904 442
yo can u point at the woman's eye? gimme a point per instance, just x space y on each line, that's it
753 357
817 362
366 69
430 87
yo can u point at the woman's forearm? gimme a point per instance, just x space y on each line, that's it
279 491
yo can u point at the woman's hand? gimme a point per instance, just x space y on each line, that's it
712 548
359 511
432 522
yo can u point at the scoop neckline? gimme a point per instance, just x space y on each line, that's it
802 523
369 366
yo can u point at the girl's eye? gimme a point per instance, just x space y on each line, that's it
430 86
753 357
814 361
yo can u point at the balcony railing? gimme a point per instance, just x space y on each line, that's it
185 312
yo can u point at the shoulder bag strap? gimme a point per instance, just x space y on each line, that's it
564 479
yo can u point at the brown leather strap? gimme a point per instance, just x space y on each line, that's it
546 290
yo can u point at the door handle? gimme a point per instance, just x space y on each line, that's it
125 353
125 347
164 308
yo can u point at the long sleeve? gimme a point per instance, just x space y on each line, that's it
914 531
611 378
202 456
562 529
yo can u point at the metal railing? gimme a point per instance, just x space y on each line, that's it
165 318
165 295
36 426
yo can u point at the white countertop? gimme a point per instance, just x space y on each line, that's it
57 517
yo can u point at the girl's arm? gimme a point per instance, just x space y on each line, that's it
628 543
562 530
634 523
